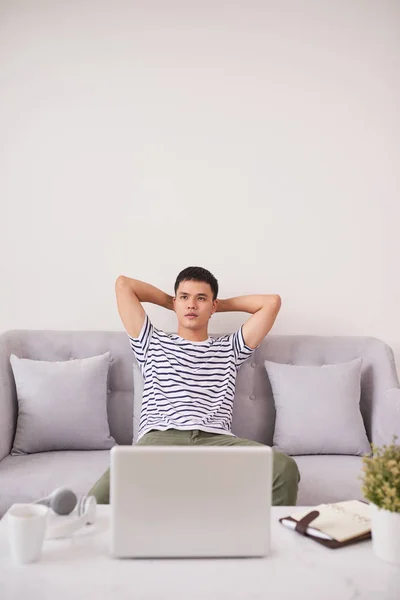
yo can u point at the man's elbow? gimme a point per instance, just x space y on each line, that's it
121 279
275 301
122 282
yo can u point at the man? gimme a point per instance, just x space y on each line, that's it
189 377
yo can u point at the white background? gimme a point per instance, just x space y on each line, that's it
259 140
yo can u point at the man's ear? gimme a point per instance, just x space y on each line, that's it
215 305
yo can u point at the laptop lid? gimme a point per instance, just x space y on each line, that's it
178 501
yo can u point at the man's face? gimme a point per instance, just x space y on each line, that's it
194 298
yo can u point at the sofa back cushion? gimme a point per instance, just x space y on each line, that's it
64 346
254 410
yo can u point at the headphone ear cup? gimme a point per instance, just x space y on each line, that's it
61 500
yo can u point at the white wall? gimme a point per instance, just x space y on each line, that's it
257 139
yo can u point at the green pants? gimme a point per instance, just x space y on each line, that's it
285 472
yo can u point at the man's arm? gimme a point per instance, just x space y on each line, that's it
264 309
130 293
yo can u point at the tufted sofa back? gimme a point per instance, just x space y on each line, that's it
254 412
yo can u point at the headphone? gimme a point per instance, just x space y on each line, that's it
63 501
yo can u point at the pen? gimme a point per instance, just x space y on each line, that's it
311 530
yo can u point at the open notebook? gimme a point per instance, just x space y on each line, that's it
333 525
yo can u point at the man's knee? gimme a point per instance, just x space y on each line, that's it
101 489
286 466
286 477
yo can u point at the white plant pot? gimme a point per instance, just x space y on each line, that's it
385 529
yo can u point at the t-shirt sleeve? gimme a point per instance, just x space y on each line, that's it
240 350
140 345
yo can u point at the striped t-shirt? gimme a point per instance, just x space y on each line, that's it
187 385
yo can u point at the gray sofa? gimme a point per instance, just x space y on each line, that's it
324 478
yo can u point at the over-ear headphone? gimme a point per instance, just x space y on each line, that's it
63 502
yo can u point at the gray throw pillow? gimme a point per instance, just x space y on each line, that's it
318 408
62 405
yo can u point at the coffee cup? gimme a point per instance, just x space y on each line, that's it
26 524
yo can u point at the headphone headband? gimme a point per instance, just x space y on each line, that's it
87 516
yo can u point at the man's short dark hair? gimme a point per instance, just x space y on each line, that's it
197 274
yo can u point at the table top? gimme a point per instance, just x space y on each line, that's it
297 567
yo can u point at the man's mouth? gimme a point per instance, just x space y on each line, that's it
191 315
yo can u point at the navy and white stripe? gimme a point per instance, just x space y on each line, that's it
187 385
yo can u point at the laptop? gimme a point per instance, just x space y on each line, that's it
179 501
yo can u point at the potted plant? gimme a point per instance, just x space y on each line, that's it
381 486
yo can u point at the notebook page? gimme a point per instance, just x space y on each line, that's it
341 520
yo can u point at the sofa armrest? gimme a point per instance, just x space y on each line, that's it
386 420
8 395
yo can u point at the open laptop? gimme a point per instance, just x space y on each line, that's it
180 501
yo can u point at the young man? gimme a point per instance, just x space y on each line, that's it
189 377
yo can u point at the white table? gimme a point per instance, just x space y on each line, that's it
297 568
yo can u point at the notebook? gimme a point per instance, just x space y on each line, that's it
333 525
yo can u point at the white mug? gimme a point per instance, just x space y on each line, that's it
26 525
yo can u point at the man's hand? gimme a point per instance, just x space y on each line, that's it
265 309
